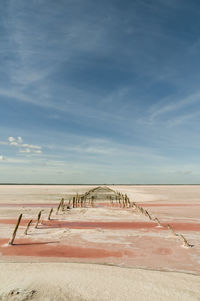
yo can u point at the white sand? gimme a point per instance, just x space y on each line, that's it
169 193
59 281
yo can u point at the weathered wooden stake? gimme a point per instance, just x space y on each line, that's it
186 244
62 204
74 202
172 230
29 223
134 205
140 209
82 199
148 215
15 231
38 219
50 213
159 224
59 207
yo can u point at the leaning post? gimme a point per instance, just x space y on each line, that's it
38 219
15 231
29 223
50 212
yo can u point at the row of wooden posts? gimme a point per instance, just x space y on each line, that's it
11 241
77 201
124 201
81 201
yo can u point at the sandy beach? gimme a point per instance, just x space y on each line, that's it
102 251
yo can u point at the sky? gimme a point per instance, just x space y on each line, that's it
100 91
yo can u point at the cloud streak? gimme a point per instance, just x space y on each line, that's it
175 106
125 72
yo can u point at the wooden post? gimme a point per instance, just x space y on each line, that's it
62 204
29 223
134 205
172 230
50 212
92 201
82 199
74 202
148 215
185 243
38 219
59 207
125 200
140 209
159 224
15 231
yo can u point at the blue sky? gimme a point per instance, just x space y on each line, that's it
99 91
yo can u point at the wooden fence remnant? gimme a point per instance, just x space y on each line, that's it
157 220
15 230
148 215
50 213
28 226
58 208
171 229
73 201
185 242
38 219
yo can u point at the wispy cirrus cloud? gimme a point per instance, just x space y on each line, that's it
165 108
183 119
126 72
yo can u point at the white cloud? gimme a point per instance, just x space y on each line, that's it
14 143
23 147
27 150
11 139
37 151
31 146
1 158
